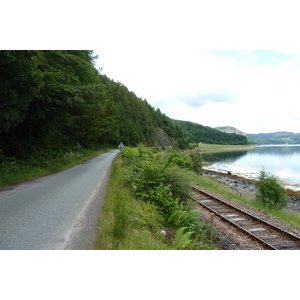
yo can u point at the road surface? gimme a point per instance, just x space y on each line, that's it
58 211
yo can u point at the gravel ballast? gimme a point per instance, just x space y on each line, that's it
231 238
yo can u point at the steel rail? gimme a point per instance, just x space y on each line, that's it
267 245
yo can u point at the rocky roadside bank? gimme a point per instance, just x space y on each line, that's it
246 186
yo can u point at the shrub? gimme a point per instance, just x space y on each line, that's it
179 160
145 176
160 181
178 182
163 198
270 192
148 173
196 159
130 154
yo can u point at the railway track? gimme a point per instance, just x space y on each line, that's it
268 235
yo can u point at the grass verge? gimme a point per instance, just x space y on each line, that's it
13 171
285 215
129 223
126 223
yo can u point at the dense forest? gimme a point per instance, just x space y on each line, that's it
197 133
52 100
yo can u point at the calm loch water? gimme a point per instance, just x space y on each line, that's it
282 161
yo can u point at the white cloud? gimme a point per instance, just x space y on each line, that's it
211 89
156 50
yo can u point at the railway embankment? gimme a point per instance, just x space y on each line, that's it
247 187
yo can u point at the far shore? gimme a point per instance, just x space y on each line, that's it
227 148
212 147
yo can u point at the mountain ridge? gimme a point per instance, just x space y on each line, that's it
277 138
197 133
230 129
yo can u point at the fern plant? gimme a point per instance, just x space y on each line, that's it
182 239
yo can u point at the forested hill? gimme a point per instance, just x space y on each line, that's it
51 100
198 133
272 138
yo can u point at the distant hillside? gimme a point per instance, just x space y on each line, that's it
198 133
273 138
229 129
276 138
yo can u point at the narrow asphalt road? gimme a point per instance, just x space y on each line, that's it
55 212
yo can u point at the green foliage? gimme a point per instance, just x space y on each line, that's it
50 100
205 134
174 176
183 217
13 170
163 198
19 81
274 138
145 215
154 180
270 192
179 160
197 162
182 239
158 179
130 155
188 218
149 172
127 223
119 229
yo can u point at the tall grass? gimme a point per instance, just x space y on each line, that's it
285 215
126 223
133 223
13 171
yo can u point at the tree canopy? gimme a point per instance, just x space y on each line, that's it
204 134
52 100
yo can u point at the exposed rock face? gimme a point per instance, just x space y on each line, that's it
230 129
161 138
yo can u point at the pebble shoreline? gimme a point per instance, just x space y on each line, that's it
245 187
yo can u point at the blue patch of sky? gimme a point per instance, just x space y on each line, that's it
256 57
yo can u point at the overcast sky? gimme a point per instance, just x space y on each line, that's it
160 50
254 91
157 49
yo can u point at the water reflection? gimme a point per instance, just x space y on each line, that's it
277 150
224 156
282 161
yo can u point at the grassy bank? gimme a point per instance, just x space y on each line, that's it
126 223
14 171
285 215
130 223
